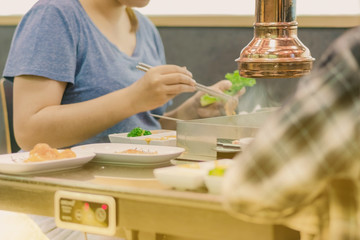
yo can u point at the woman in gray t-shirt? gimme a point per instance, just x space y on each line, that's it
73 63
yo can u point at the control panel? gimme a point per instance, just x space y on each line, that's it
85 212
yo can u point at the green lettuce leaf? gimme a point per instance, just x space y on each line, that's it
238 82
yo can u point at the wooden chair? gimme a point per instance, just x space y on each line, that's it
7 139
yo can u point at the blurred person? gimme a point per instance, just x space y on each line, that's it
73 64
302 169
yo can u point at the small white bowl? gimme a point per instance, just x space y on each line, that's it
183 178
213 183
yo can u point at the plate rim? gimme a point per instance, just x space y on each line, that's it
7 166
108 157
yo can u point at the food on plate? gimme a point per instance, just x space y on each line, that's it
43 152
137 132
218 171
137 151
243 142
158 137
149 139
238 83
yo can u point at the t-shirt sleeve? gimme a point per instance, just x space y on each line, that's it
43 45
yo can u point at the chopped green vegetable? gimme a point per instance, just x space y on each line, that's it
238 83
218 171
136 132
207 100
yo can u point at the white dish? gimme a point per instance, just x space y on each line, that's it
191 176
158 137
213 183
181 177
14 163
111 153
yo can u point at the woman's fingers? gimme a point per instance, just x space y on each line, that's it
177 78
178 88
162 83
171 75
170 80
222 85
168 69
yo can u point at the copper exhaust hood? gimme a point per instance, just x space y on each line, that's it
275 51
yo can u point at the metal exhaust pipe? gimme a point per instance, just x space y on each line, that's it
275 51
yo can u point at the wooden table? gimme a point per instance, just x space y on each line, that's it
146 209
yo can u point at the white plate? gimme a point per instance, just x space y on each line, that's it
13 163
191 176
158 137
110 153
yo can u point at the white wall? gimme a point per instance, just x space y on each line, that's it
247 7
15 7
227 7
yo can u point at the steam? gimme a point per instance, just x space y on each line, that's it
267 93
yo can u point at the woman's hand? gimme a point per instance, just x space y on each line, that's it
159 85
218 108
192 109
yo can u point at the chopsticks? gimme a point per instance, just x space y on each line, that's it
165 117
145 67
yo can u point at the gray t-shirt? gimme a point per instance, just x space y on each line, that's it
56 39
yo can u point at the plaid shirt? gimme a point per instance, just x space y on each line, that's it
302 170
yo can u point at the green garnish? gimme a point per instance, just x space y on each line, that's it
136 132
218 171
238 83
207 100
